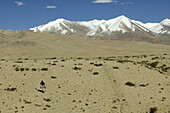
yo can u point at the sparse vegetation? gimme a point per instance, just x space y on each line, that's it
115 67
98 64
129 84
17 69
41 91
77 68
62 60
11 89
123 61
47 106
47 99
95 73
53 77
153 64
144 85
27 102
153 110
34 69
19 62
86 84
44 69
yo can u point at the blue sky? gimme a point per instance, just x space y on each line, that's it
24 14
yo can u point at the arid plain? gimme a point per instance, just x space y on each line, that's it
82 75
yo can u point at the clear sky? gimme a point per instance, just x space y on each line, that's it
24 14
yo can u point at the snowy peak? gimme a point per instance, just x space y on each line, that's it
58 20
95 27
119 24
166 22
119 20
122 18
53 27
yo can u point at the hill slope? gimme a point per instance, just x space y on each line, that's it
27 43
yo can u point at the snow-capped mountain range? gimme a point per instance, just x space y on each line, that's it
92 28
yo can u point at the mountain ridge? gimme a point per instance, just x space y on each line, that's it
96 27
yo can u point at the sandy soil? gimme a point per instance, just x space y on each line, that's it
129 84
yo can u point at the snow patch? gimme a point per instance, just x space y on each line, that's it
64 32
